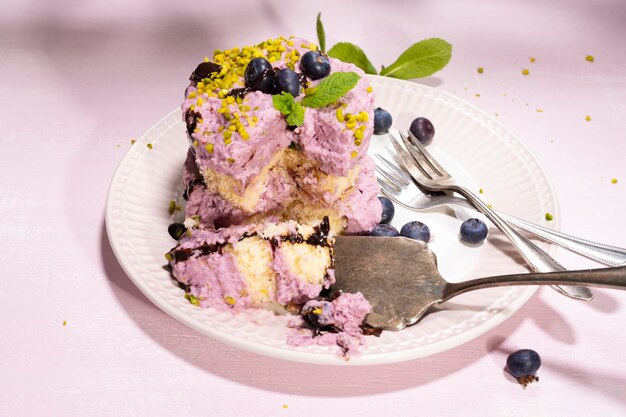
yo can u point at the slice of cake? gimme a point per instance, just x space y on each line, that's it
247 161
254 265
277 165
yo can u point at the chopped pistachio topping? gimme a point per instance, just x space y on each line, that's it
172 207
229 300
149 146
525 72
589 58
480 70
588 118
549 217
192 299
613 180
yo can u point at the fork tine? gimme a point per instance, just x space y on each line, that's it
387 179
421 155
420 160
387 188
401 175
416 170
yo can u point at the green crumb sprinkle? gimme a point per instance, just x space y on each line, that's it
549 217
525 72
588 118
481 191
192 299
169 256
172 207
532 60
480 70
589 58
149 146
65 322
613 180
285 406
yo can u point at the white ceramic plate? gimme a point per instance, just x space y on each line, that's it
467 141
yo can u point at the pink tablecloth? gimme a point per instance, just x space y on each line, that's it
81 79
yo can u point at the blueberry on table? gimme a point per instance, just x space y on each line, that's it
416 230
388 210
315 65
474 231
422 129
523 365
382 121
288 81
176 230
255 69
384 230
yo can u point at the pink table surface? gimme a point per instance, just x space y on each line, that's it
81 79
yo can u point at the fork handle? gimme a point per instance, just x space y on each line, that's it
537 258
606 254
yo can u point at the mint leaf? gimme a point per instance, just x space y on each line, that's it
349 52
331 89
421 59
321 36
283 103
296 117
293 110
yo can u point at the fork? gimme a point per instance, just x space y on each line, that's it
429 174
398 186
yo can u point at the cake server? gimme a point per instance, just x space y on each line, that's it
400 279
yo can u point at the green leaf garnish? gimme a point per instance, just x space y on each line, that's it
421 59
331 89
321 36
291 109
349 52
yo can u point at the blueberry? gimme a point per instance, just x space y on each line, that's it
176 230
473 231
388 210
255 69
315 65
422 129
384 230
268 85
523 365
288 81
416 230
382 121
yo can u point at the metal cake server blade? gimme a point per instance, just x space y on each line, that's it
400 279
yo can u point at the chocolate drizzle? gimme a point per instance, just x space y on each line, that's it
181 255
204 70
191 120
320 237
190 187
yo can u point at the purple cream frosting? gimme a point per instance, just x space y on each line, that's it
345 313
322 136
